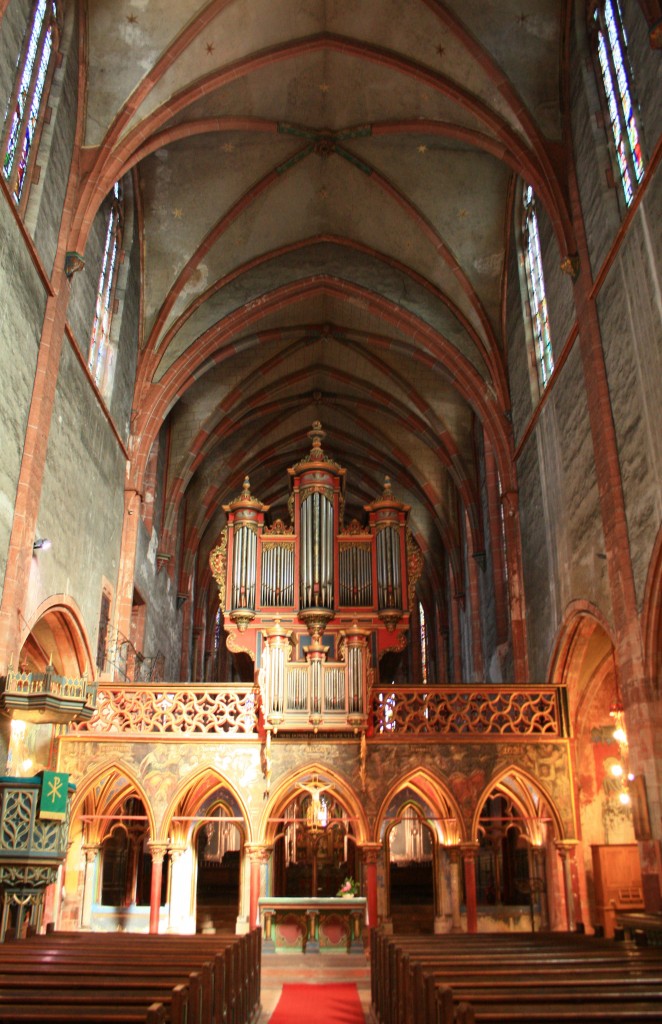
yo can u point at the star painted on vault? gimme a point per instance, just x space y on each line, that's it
441 50
324 87
177 213
521 19
324 193
132 19
422 148
228 147
210 47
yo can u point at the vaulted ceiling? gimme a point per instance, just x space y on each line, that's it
325 193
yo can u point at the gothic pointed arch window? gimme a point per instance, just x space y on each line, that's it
101 352
618 97
542 353
26 110
424 642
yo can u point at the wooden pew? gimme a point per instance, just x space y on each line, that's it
200 980
441 979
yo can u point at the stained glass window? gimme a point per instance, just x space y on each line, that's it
101 353
22 123
616 78
423 634
542 342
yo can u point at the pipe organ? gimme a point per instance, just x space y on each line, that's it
315 603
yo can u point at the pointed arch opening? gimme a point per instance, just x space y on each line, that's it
515 826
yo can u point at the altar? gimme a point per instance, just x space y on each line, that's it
307 925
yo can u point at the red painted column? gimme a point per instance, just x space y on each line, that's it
566 849
258 856
369 853
158 851
476 628
469 861
496 542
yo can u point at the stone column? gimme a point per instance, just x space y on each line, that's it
177 892
158 852
369 855
538 862
469 861
258 856
456 915
91 854
566 850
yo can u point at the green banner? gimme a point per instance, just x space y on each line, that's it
53 801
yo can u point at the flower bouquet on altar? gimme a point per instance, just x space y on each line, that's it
348 889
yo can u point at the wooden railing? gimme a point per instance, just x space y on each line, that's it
469 711
229 710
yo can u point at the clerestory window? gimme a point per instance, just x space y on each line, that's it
101 352
542 354
617 87
26 109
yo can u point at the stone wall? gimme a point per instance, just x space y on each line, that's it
22 307
82 501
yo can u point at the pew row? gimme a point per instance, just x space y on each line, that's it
461 979
131 979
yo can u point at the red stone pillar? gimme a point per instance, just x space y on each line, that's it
158 852
511 522
369 854
566 849
496 542
469 860
258 856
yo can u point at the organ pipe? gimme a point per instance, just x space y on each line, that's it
319 575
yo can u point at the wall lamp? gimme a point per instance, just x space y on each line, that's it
41 544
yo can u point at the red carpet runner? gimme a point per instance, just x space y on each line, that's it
318 1004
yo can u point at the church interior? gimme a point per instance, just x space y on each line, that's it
331 467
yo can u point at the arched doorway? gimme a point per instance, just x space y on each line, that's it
207 831
516 857
219 841
411 845
315 843
586 665
419 827
108 872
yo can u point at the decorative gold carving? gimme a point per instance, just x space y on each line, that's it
316 435
395 648
414 566
316 619
390 617
353 529
232 644
245 498
218 563
242 617
277 529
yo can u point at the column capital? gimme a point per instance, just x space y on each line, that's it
469 850
370 852
566 846
158 849
91 852
258 853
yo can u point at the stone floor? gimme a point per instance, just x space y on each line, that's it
313 968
